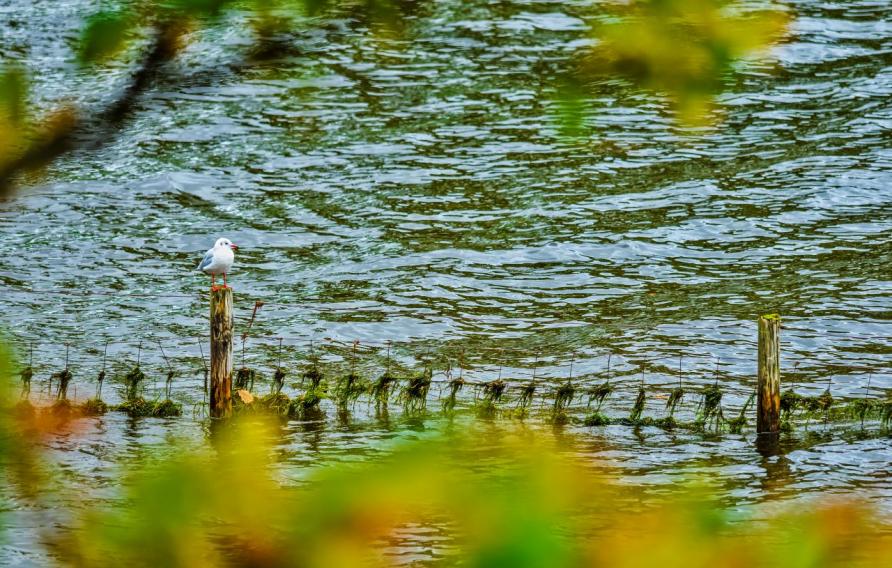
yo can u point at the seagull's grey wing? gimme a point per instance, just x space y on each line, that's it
207 260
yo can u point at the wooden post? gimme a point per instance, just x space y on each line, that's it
768 399
221 352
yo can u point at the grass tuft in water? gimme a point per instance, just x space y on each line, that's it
596 419
819 404
132 383
244 379
527 392
62 408
455 386
710 409
93 407
638 407
666 423
736 425
348 390
382 390
136 407
598 394
275 403
64 377
675 398
306 406
26 375
314 376
563 398
492 395
414 395
278 381
886 413
166 408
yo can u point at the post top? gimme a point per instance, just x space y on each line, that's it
770 317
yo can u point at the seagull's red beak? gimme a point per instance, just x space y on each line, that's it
232 246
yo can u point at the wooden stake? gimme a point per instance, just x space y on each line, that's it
221 352
768 407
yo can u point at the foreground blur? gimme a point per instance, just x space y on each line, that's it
520 502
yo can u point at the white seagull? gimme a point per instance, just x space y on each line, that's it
218 260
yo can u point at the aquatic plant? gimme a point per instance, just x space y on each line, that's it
527 392
93 407
278 380
306 406
599 393
348 390
166 408
136 407
493 390
789 403
26 375
414 394
638 407
819 404
492 395
862 408
675 398
314 376
64 377
886 413
596 419
132 383
62 408
100 379
736 425
710 408
275 403
563 398
666 423
455 386
382 388
244 379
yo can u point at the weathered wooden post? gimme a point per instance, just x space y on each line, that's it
221 352
768 399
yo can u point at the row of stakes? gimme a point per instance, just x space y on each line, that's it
490 398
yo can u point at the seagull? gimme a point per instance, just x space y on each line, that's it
218 260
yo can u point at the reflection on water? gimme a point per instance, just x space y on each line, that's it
420 193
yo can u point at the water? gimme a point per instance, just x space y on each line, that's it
418 191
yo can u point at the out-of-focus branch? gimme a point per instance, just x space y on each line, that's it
68 129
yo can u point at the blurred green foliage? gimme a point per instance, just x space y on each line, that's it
683 49
530 506
104 36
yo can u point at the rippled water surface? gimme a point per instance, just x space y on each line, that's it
418 191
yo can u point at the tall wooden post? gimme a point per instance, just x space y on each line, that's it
221 352
768 399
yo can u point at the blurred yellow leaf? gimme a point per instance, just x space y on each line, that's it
683 49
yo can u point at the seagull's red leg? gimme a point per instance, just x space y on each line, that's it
213 280
224 280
